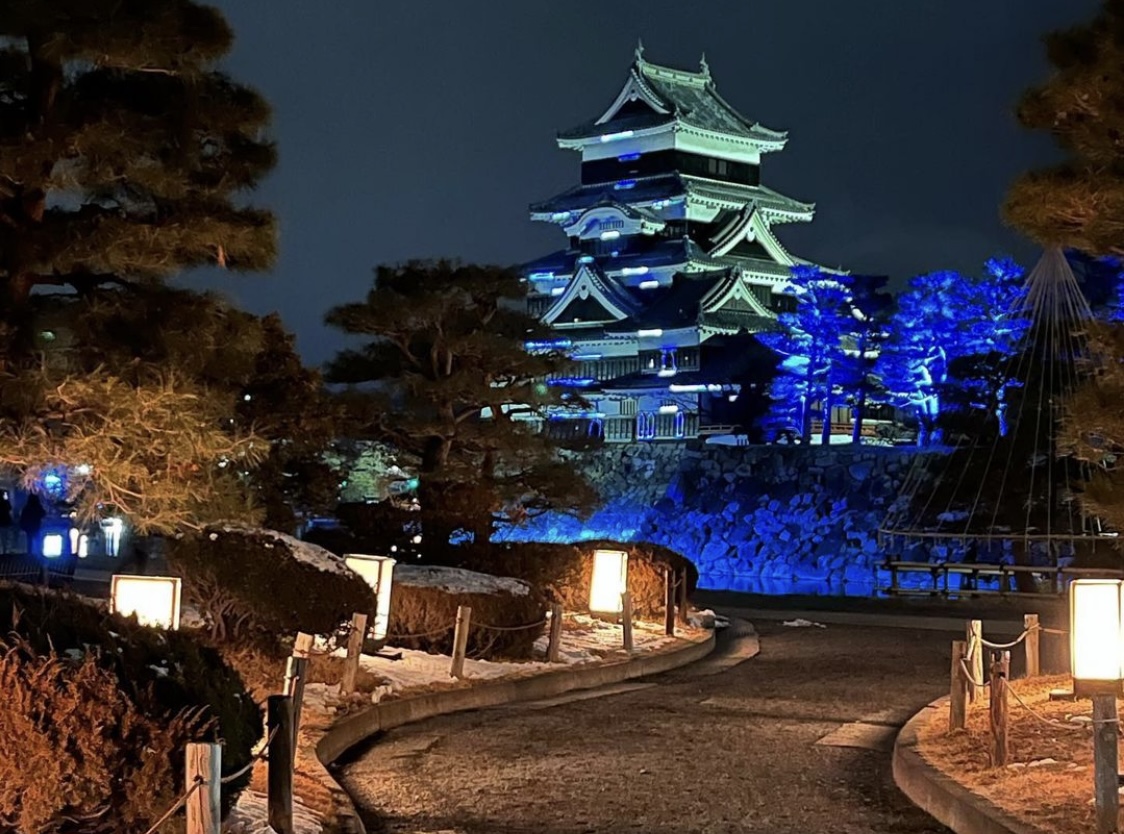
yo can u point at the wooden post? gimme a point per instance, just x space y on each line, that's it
669 602
354 651
975 659
626 620
296 674
1033 652
280 777
555 641
1000 671
204 806
683 607
958 687
1106 734
302 646
460 640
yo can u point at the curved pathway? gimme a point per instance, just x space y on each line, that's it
739 751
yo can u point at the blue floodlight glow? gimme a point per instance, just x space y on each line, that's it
669 409
643 334
574 381
612 234
541 276
585 259
586 357
634 270
550 344
560 216
628 157
624 185
613 137
666 372
649 285
577 415
686 389
556 291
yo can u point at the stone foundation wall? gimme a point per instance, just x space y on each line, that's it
771 513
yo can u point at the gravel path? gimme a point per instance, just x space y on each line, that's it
734 752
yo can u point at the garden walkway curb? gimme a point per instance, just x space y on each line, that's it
944 799
355 729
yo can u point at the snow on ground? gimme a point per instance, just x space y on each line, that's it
250 815
306 552
458 580
584 640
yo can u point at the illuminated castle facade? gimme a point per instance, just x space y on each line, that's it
671 259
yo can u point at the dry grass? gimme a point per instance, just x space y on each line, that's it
1053 797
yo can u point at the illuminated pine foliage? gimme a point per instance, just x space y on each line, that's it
125 158
122 149
445 378
1078 203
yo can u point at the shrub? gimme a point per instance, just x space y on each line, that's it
97 710
425 601
260 584
565 571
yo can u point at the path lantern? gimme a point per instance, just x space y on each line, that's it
378 572
1096 629
610 580
155 600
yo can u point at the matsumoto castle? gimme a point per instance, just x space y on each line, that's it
672 252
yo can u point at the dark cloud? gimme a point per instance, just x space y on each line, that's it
424 128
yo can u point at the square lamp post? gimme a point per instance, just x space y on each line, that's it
378 572
1096 633
610 580
155 600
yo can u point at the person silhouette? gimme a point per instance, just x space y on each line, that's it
7 527
31 521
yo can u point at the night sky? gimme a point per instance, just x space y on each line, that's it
423 128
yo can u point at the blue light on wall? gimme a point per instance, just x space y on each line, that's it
550 344
573 381
628 157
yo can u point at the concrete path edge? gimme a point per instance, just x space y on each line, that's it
940 796
355 729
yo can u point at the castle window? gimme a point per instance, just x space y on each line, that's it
628 408
718 167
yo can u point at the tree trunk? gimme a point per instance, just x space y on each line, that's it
857 426
825 430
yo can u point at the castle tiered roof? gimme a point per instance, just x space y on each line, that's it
656 97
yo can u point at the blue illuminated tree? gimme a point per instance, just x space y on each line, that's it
810 342
951 341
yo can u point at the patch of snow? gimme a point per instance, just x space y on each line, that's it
306 552
458 580
802 623
703 619
250 815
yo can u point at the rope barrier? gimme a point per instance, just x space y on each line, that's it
262 756
509 628
179 804
967 673
1045 630
418 636
1010 645
1047 721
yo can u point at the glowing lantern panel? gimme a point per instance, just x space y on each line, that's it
52 545
610 580
1096 645
378 572
155 600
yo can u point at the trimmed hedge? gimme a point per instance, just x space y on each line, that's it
430 613
96 711
249 584
565 571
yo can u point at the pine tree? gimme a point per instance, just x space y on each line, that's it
245 360
124 157
951 342
1079 203
810 342
123 149
447 380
